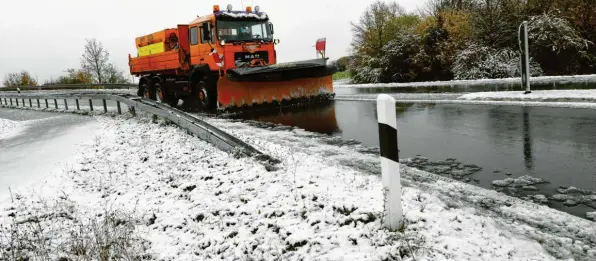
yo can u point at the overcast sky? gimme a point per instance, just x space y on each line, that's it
45 37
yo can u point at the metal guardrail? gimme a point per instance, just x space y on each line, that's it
108 86
193 124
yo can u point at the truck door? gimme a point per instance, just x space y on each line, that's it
195 54
207 42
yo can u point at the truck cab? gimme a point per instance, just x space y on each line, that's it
232 39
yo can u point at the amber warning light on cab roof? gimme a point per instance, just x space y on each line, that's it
229 8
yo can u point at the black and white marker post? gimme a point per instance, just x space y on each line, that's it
525 56
389 161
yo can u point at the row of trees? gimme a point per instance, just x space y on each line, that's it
95 68
471 39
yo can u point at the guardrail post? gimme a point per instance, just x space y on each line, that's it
91 104
38 104
118 105
132 111
77 102
17 102
30 103
47 106
65 105
105 107
23 100
392 216
56 103
10 101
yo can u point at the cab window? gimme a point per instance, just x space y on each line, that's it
194 35
203 38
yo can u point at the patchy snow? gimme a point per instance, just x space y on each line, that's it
574 105
523 181
588 78
9 128
542 95
543 224
199 203
400 96
591 215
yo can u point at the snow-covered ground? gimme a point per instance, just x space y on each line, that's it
8 128
323 203
544 95
589 78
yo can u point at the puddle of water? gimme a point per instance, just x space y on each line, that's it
494 142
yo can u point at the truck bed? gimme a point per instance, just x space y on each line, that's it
165 61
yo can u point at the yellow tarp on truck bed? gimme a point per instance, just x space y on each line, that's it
151 49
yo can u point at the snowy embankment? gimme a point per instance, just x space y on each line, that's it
578 99
543 96
573 105
9 128
589 78
325 201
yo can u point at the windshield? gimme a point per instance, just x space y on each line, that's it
231 31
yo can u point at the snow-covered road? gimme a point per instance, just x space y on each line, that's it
324 203
34 143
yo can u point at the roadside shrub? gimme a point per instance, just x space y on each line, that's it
483 62
42 231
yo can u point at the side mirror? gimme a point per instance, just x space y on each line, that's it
206 32
271 28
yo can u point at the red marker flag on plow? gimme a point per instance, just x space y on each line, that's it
321 44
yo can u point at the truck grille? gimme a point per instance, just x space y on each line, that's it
247 57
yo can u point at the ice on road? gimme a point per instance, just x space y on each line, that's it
37 143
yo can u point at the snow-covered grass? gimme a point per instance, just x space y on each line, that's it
542 95
324 202
8 128
541 223
589 78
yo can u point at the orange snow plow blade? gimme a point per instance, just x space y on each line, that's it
275 85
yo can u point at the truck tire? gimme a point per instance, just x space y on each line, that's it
148 92
162 95
205 96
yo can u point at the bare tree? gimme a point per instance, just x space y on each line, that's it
371 30
113 74
95 59
21 79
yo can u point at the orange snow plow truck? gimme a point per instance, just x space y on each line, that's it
226 60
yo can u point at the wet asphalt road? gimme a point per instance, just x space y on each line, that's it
41 146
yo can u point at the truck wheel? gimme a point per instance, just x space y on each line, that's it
204 96
148 92
160 95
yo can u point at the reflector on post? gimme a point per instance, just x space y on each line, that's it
320 46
